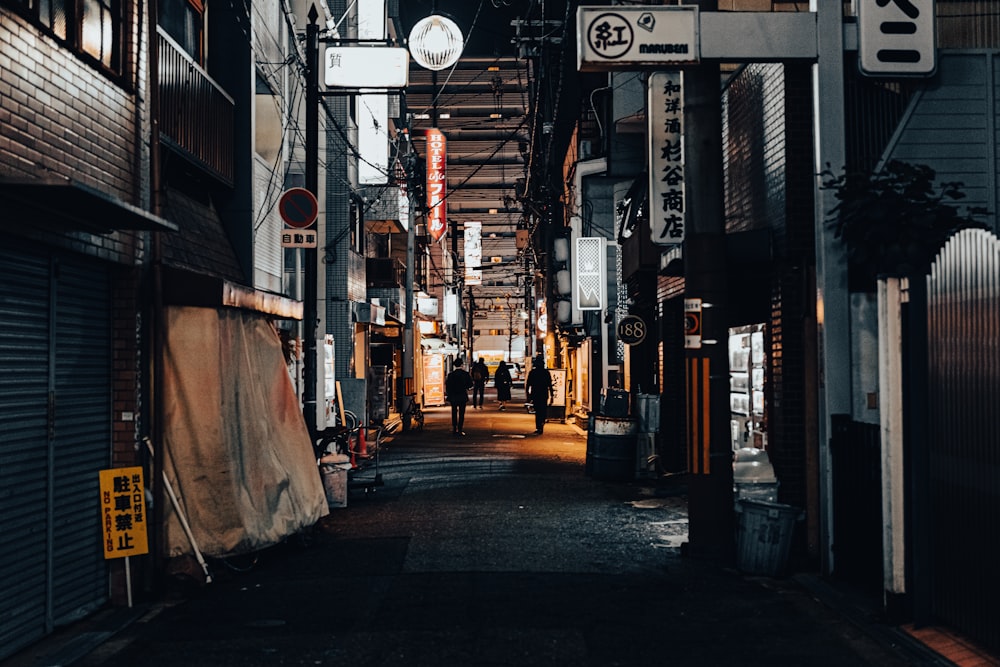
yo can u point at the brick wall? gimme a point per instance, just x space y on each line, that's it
60 116
128 360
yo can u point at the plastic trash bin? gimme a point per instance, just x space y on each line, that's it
764 536
333 470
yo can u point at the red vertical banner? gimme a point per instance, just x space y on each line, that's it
437 158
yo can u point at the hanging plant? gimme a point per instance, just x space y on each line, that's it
895 221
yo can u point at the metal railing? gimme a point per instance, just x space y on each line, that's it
195 114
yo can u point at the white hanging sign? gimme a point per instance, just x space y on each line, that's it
666 157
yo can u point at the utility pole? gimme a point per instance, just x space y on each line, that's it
510 328
409 341
710 508
472 315
309 315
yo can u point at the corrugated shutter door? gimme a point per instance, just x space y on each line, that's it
55 341
82 436
24 363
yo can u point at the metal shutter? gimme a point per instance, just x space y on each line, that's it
24 483
81 436
55 342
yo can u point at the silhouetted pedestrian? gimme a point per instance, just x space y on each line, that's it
538 388
502 380
480 374
456 388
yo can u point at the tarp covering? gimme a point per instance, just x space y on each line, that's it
236 449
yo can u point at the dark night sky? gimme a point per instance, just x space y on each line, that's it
489 21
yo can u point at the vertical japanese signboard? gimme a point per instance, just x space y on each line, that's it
692 324
437 157
666 157
123 512
897 37
434 379
473 246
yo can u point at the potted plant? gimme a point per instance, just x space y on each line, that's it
895 220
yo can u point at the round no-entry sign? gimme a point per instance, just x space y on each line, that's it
298 208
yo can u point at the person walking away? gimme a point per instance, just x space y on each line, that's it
538 388
503 381
480 374
456 391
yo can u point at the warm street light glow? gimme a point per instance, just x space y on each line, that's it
436 42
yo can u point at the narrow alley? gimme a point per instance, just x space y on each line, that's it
489 549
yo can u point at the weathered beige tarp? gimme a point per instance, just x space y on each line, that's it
236 449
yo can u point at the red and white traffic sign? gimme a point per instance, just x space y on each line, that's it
298 208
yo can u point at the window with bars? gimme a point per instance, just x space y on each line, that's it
92 28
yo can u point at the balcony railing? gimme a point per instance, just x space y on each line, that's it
195 114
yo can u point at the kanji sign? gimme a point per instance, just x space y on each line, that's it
123 512
625 37
298 208
692 324
304 238
473 247
896 37
666 157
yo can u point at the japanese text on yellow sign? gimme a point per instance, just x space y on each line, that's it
123 512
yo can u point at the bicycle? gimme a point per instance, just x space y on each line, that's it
412 414
361 444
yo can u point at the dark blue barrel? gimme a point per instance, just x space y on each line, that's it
611 445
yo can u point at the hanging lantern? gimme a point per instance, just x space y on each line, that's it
436 42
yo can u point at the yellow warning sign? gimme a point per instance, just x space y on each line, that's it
123 512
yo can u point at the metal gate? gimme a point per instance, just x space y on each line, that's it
55 435
963 320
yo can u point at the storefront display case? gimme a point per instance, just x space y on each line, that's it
747 377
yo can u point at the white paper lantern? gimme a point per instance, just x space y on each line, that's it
436 42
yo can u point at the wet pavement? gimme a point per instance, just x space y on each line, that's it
490 549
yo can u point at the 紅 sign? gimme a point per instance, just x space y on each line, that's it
636 36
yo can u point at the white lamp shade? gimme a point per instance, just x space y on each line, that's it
436 42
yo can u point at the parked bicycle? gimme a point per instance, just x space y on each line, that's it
411 414
362 444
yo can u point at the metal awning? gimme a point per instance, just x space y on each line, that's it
186 288
57 202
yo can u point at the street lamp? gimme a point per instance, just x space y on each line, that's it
436 42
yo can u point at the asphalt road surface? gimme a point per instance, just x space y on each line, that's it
494 549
